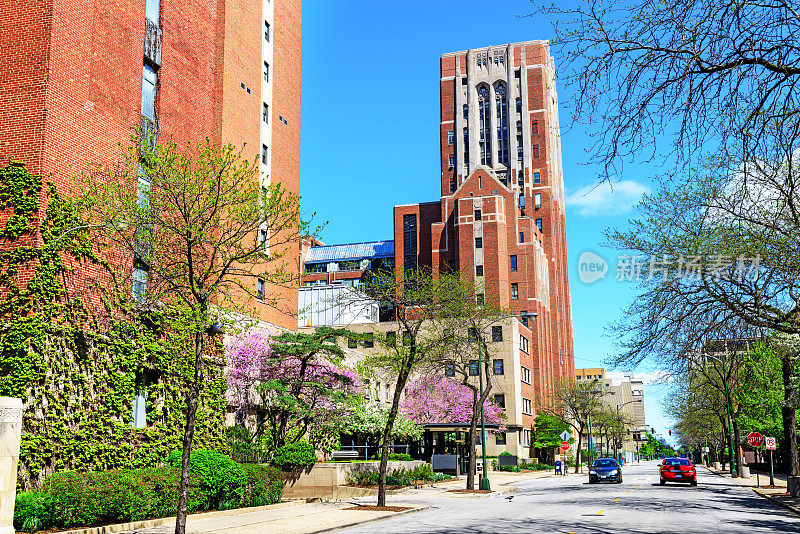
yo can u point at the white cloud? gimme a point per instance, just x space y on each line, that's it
607 199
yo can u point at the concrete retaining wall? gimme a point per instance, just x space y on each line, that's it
323 480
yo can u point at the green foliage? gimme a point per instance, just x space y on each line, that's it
370 420
397 477
531 466
221 479
71 499
394 457
297 454
547 431
505 453
510 468
78 385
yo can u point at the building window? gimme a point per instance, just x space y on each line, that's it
369 340
497 333
139 285
523 317
478 242
522 200
526 437
537 178
266 31
263 234
519 105
479 270
472 334
466 114
514 291
264 154
501 104
485 126
527 406
539 224
524 344
480 299
534 127
266 71
352 343
478 215
473 368
140 408
522 237
410 242
264 112
513 262
149 93
391 338
451 161
500 438
525 374
537 201
500 400
260 290
451 137
449 369
535 151
497 367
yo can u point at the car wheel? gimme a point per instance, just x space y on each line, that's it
693 482
662 481
619 481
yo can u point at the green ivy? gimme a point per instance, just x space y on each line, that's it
76 378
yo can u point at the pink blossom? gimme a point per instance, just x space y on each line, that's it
431 399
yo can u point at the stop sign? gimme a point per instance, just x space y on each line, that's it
564 445
755 439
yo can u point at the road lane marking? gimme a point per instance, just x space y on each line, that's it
627 492
616 500
600 512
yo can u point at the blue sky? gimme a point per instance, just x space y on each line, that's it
370 138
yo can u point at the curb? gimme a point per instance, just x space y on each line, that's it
162 521
370 520
794 509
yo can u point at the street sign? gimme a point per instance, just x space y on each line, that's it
565 436
565 446
770 443
755 439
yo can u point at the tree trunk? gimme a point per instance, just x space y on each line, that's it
400 385
578 451
737 439
789 416
473 428
192 396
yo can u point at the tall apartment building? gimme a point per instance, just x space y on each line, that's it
501 216
77 78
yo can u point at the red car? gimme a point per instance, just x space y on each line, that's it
678 470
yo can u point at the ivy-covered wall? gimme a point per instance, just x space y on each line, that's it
78 383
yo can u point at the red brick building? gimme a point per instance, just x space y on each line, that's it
77 77
501 216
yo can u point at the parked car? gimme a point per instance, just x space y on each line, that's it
678 470
605 469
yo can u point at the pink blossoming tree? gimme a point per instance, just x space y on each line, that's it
445 400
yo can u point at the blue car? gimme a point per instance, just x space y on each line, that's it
605 470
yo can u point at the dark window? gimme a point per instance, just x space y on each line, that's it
501 104
513 262
451 137
521 200
260 290
500 438
266 71
537 177
264 154
523 317
472 334
497 333
514 291
264 112
539 224
522 237
451 161
516 75
391 338
369 340
497 367
535 151
473 368
351 342
410 241
500 400
534 127
479 270
449 369
466 112
519 105
485 126
480 299
266 30
477 215
478 242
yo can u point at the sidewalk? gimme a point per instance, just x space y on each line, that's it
777 494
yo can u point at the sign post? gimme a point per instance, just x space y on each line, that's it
756 440
770 444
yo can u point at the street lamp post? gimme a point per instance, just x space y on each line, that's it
484 484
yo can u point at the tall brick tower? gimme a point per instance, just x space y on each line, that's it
501 216
77 77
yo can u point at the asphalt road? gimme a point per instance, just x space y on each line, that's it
571 505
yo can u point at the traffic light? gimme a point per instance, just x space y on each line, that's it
670 432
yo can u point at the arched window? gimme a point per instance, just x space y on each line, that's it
501 104
485 125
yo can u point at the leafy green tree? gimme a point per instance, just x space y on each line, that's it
546 436
194 221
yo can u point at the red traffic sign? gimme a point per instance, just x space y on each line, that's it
565 446
770 443
755 439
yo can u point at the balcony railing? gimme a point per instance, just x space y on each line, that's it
152 43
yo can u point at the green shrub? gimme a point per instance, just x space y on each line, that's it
221 479
397 477
505 453
394 457
299 454
510 468
264 485
33 511
363 478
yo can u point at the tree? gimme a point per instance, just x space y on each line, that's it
297 381
416 299
546 433
702 72
575 401
370 419
445 400
193 219
474 331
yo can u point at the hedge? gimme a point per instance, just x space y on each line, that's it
70 499
291 455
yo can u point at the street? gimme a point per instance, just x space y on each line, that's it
570 504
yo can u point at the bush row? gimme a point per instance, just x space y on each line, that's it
397 477
72 499
394 457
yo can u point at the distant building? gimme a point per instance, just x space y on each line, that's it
590 374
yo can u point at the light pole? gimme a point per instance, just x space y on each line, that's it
730 418
484 484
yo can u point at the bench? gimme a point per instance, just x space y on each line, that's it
345 455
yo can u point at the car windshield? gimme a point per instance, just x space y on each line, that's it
676 461
605 463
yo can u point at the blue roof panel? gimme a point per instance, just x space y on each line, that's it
352 251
